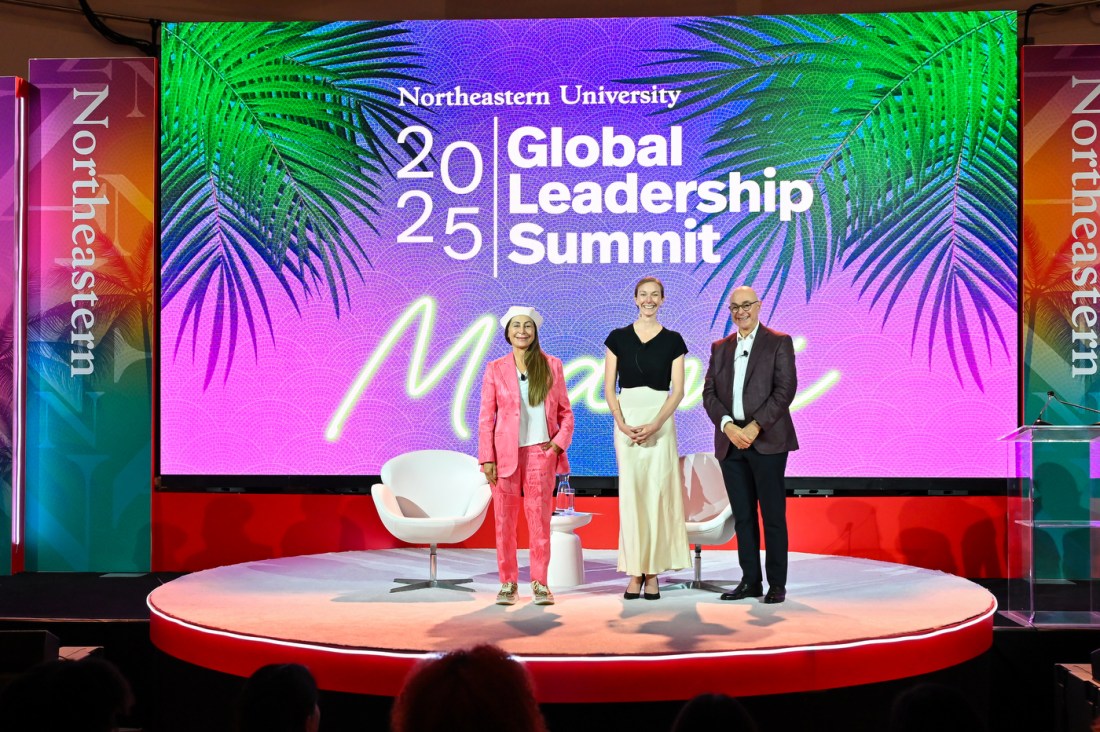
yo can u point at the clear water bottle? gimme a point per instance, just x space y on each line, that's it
565 496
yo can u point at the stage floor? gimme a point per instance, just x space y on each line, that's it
846 622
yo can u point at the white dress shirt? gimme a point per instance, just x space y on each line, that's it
741 351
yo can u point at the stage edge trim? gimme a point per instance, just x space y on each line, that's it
591 659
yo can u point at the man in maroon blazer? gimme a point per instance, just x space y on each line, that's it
748 390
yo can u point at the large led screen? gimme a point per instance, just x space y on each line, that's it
348 207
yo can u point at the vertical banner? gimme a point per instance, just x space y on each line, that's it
13 93
1060 297
1060 292
92 162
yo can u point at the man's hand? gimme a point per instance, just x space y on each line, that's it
737 436
490 470
548 446
751 431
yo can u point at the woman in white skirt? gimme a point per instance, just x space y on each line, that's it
647 361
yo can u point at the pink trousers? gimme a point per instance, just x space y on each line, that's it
532 486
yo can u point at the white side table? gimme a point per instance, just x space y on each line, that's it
566 560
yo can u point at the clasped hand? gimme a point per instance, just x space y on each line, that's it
641 433
742 437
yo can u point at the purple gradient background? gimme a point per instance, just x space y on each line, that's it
8 183
10 155
269 416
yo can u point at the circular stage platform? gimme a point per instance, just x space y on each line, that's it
845 622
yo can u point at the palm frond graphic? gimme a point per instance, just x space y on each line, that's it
274 138
906 126
123 311
1046 298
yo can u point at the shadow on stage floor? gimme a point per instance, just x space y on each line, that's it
1013 682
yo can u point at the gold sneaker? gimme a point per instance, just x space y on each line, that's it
507 594
543 595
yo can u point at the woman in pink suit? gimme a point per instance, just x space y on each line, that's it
525 426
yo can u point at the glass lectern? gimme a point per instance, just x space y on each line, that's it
1054 526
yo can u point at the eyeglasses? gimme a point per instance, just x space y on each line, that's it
743 306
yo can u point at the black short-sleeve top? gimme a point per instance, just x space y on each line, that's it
645 364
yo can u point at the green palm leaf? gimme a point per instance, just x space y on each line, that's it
905 125
275 138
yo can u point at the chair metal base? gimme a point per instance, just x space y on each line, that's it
432 581
697 582
697 585
446 584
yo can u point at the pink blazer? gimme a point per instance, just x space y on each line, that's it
498 424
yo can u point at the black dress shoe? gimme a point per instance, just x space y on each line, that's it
775 595
743 590
650 595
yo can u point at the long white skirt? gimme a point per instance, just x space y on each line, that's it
652 536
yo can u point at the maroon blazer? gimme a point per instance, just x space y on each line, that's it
770 385
498 422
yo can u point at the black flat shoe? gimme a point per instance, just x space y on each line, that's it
744 590
628 595
651 595
775 595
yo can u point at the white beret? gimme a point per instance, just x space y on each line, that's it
521 310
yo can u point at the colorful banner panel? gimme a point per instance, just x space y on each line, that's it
1060 101
13 93
348 207
1060 292
89 383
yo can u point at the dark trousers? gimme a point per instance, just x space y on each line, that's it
753 480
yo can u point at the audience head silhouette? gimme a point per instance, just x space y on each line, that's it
280 697
711 712
89 695
481 688
929 707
